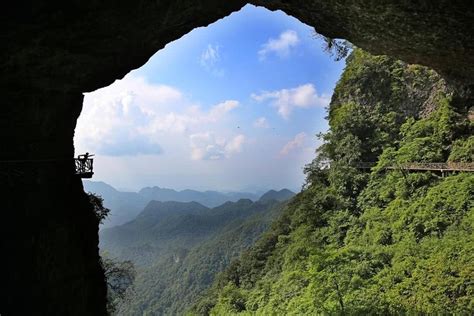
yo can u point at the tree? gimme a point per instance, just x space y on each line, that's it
120 276
98 204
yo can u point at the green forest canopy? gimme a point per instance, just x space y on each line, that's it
379 242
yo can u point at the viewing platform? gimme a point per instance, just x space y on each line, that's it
84 167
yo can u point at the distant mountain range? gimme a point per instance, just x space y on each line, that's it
206 198
281 195
125 206
179 247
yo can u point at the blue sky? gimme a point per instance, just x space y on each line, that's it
232 106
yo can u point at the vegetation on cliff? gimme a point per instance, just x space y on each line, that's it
369 242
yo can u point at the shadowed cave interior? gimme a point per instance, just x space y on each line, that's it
55 51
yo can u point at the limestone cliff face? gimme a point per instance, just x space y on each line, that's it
53 51
385 82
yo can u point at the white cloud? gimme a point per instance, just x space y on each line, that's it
192 117
210 60
261 122
205 146
169 123
210 56
111 118
219 110
235 144
285 100
280 46
133 116
293 144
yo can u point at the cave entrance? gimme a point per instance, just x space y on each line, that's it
54 51
232 106
229 111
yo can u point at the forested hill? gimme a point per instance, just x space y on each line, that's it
178 248
370 241
125 206
281 195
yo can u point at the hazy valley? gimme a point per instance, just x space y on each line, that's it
178 248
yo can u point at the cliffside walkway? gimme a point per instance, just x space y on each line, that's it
423 166
15 168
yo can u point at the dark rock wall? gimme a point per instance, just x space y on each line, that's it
52 51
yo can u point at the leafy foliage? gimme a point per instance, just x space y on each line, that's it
120 276
462 150
357 242
339 49
98 206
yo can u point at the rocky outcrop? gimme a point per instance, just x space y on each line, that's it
53 51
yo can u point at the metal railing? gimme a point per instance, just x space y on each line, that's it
428 166
84 167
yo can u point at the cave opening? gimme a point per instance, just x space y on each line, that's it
54 51
256 78
225 113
